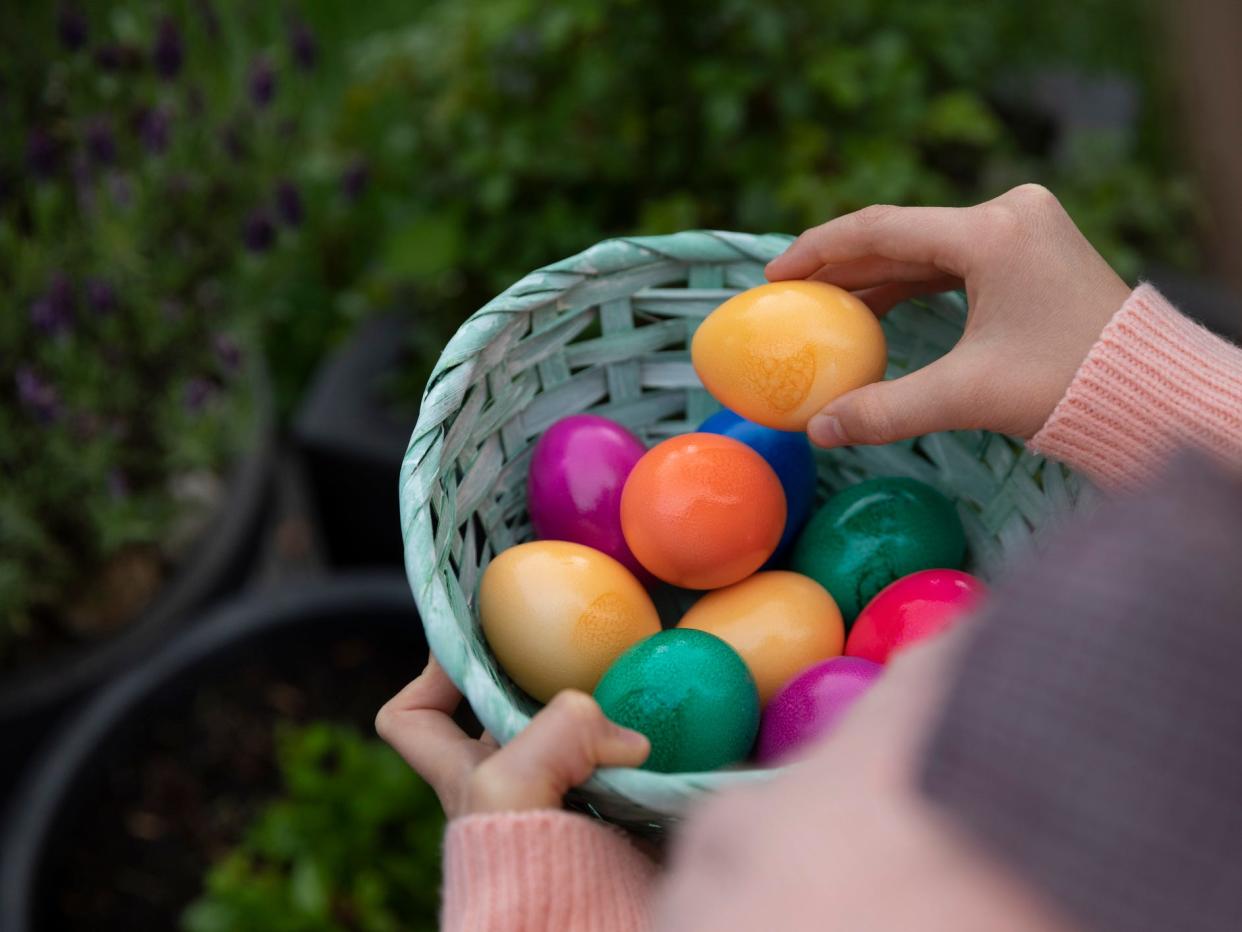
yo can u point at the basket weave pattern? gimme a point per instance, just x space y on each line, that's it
608 331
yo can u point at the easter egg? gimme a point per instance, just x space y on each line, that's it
872 533
556 614
811 704
778 622
779 353
702 510
911 609
690 694
788 453
577 471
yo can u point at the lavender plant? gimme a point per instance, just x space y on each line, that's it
141 178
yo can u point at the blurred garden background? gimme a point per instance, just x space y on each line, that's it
238 233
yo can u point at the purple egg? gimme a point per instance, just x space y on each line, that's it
810 705
578 470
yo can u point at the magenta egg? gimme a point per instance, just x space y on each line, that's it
810 705
577 472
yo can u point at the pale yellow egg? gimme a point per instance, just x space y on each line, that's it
557 614
777 354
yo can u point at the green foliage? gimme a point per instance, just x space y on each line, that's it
352 844
514 132
440 151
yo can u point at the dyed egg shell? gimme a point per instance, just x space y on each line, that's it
810 705
556 614
779 353
702 511
690 694
911 609
577 472
778 622
788 453
875 532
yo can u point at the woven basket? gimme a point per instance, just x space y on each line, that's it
608 331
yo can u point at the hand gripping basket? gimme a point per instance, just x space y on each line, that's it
608 331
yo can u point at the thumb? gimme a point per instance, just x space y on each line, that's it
927 400
562 747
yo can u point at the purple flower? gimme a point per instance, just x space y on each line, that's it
260 232
118 483
198 392
228 352
355 177
52 312
42 153
289 203
37 396
262 81
153 129
168 52
71 26
302 44
101 296
100 142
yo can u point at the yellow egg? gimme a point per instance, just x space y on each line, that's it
557 614
779 622
779 353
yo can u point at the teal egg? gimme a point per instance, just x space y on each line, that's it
875 532
690 693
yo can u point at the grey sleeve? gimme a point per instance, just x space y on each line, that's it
1093 737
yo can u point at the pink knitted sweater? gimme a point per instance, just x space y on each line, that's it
1153 382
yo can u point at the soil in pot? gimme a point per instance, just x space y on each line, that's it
178 791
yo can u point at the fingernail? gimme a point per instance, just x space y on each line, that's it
825 430
631 737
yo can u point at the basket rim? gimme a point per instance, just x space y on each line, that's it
550 285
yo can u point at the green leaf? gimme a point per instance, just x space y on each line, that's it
960 116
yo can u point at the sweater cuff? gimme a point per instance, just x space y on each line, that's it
543 870
1154 381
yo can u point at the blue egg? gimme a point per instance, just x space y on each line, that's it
788 453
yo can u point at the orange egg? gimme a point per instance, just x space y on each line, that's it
557 614
779 622
779 353
702 510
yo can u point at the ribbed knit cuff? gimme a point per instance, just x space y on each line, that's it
1154 381
545 870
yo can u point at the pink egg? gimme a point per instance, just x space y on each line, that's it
911 609
577 472
810 705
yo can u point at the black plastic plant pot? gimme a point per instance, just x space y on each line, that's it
352 443
33 698
69 784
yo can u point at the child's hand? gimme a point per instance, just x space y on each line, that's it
1039 295
560 748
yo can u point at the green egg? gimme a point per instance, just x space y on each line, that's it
690 693
875 532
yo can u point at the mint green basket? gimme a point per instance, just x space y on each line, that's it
608 331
